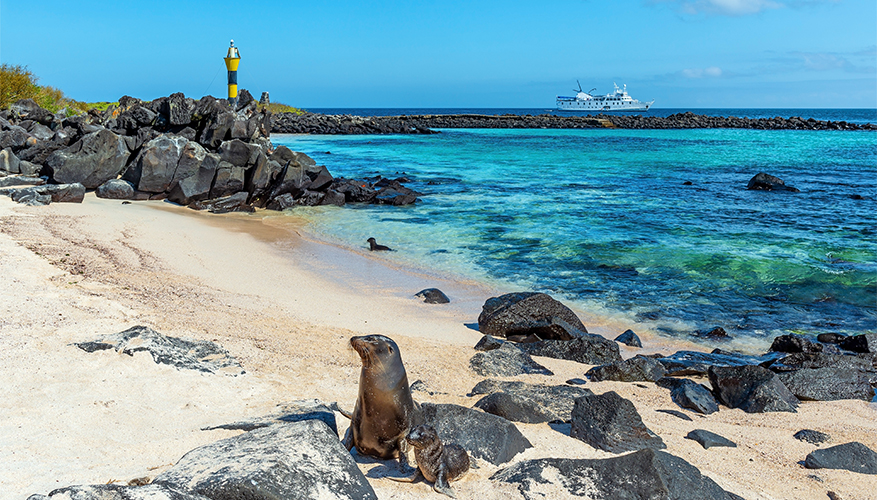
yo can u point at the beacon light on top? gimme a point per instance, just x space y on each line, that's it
232 59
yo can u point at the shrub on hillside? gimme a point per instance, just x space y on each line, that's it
16 82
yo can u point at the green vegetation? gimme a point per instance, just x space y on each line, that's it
276 107
17 82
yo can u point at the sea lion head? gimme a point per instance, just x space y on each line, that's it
422 437
380 358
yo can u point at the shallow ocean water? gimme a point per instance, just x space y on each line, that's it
602 218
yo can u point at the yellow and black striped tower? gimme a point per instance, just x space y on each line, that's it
231 64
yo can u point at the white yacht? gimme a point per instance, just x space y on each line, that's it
620 100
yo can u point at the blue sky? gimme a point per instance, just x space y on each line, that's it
682 53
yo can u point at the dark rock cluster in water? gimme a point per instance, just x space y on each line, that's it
314 123
203 154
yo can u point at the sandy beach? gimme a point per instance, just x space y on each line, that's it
285 306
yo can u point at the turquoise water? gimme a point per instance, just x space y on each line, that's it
602 218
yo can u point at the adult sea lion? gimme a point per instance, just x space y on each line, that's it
375 247
440 464
384 411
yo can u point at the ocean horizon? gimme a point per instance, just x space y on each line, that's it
849 115
604 219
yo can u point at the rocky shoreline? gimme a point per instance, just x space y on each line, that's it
313 123
202 154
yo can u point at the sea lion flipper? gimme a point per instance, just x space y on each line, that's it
335 407
441 484
406 479
348 439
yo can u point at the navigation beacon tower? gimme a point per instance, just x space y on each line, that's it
232 59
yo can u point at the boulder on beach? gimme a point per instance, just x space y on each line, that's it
484 436
301 459
635 369
611 423
529 313
629 338
854 457
589 349
118 492
753 389
643 474
506 361
528 403
690 395
433 296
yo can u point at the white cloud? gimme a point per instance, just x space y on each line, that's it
734 7
711 72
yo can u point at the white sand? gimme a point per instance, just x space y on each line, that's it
285 307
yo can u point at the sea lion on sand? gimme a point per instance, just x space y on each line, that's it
439 464
384 411
374 247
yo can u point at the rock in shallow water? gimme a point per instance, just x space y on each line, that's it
526 313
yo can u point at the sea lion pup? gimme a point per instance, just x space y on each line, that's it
374 247
439 464
384 411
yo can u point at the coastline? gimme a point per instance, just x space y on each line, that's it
285 311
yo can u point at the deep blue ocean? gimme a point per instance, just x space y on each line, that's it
602 218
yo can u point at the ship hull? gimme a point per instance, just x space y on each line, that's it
575 105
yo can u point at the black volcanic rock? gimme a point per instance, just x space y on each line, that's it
689 394
855 457
635 369
433 296
526 313
588 349
753 389
830 384
709 439
506 361
766 182
645 474
811 436
483 435
629 338
528 403
611 423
